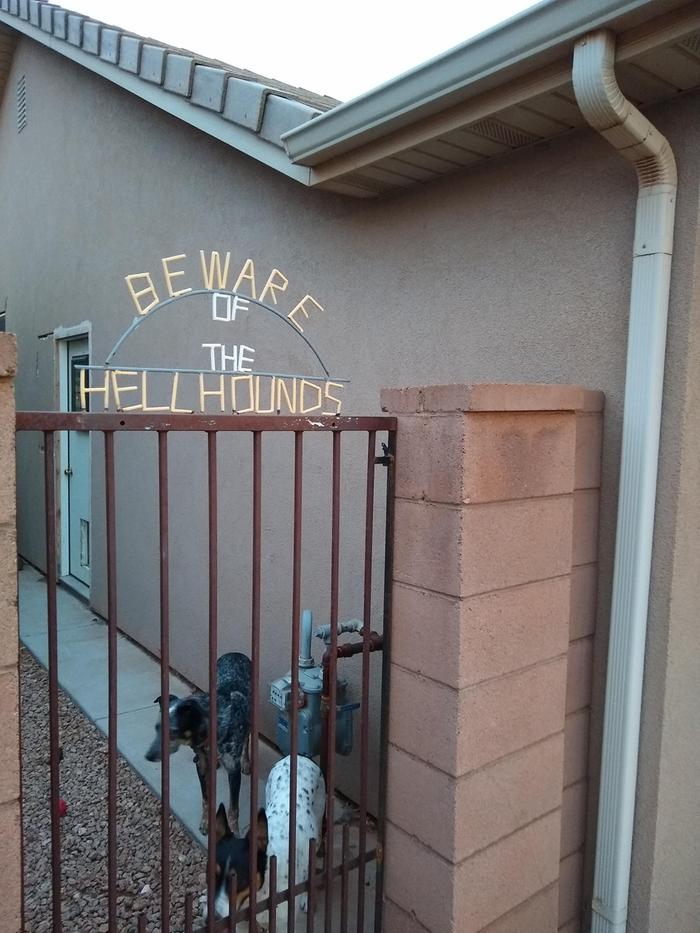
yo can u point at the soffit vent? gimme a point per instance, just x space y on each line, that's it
502 133
21 103
692 43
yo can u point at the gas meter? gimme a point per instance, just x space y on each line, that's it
309 714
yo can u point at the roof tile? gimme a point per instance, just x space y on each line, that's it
282 114
130 54
46 17
75 29
91 37
245 102
60 24
179 70
208 87
109 45
261 105
152 63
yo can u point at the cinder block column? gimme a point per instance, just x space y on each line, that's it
483 557
10 849
579 680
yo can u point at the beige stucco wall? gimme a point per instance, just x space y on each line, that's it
666 868
515 271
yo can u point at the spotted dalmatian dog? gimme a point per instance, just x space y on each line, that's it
311 804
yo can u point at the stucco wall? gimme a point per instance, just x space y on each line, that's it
666 867
515 271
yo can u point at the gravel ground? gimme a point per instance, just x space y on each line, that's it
84 828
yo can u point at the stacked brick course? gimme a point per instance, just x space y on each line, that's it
10 850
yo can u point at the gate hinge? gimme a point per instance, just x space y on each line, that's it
386 459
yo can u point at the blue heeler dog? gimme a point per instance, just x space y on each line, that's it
189 725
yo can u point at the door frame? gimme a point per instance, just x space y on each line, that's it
62 337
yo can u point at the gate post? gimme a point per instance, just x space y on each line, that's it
10 833
486 536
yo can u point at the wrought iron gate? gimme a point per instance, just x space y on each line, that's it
320 886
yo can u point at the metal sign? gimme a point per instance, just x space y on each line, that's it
229 380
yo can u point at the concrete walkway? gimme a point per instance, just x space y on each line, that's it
82 674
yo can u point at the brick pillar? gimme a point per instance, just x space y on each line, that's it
483 559
579 680
10 849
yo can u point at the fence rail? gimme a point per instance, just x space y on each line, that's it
111 421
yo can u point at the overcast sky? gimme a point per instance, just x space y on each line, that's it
337 49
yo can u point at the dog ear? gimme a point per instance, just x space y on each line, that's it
191 704
261 830
222 827
171 699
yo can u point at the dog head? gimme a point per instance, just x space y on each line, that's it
233 855
186 726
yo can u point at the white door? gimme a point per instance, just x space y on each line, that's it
77 471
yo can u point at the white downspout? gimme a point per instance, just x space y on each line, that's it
607 110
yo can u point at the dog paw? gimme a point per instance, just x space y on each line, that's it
245 769
204 827
303 903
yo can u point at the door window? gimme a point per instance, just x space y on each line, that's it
76 363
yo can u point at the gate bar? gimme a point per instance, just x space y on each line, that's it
232 905
364 704
188 913
311 895
345 879
213 723
296 620
98 421
330 712
54 752
111 535
272 869
390 460
255 674
164 682
303 887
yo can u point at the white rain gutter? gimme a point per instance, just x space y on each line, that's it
541 34
607 110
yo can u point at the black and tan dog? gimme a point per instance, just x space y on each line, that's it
233 856
189 725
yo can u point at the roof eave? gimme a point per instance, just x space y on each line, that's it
208 121
534 38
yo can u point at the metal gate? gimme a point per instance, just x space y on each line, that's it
319 889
